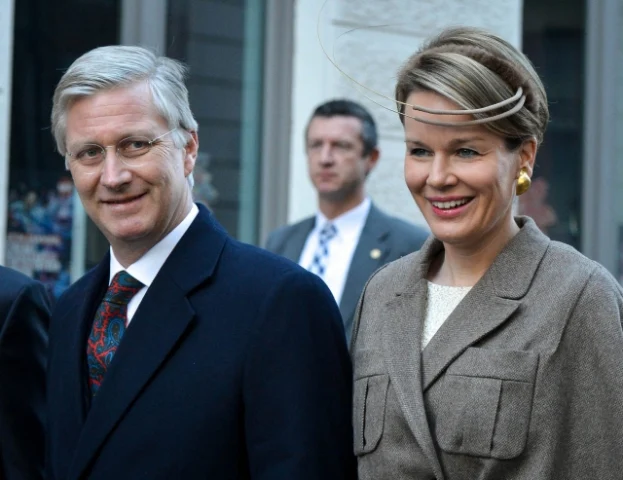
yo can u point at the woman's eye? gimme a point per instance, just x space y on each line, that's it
467 153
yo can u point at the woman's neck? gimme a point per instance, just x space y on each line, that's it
464 265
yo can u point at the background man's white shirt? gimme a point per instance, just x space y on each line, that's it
341 247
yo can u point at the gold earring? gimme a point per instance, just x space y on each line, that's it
523 182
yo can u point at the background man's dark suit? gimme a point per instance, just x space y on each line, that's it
24 319
234 367
384 237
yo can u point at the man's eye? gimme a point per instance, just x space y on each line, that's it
134 144
418 152
134 147
89 153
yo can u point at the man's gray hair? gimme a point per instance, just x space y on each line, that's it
114 66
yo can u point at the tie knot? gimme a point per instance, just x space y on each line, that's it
122 288
327 232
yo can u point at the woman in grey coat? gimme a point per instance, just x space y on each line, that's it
492 353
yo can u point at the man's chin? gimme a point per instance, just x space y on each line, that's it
131 235
332 195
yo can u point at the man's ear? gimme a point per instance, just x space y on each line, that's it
372 160
191 149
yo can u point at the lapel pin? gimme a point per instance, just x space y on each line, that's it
375 254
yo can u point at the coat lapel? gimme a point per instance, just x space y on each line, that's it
369 255
479 313
401 342
293 246
71 384
156 330
490 303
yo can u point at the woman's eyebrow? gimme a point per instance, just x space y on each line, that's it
416 142
462 141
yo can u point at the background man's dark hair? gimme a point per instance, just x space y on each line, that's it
348 108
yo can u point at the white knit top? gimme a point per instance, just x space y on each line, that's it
442 300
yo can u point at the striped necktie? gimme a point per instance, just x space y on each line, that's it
319 261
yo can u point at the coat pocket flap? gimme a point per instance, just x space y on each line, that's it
370 396
516 365
368 363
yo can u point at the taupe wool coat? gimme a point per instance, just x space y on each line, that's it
523 381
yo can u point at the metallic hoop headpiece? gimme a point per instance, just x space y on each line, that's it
519 98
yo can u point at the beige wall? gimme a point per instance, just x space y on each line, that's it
372 56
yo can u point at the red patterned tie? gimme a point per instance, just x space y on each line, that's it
109 326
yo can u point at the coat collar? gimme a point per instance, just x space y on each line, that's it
156 329
374 236
489 304
509 276
71 328
296 242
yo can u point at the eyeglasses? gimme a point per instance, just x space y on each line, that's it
131 151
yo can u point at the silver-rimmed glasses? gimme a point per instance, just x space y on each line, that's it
131 151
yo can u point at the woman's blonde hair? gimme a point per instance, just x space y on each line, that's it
476 69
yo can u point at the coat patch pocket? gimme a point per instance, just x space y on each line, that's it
369 398
485 403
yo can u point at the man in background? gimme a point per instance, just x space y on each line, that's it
349 237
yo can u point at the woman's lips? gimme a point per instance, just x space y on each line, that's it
450 207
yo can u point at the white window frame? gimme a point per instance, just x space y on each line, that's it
599 232
7 10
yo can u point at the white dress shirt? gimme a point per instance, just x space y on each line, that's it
147 267
341 247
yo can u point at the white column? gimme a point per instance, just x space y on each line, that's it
6 70
144 23
373 56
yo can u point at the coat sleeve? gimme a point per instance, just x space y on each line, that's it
586 382
23 351
297 386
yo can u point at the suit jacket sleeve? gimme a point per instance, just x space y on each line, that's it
297 386
587 386
23 350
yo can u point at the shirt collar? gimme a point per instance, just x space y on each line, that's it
147 267
349 222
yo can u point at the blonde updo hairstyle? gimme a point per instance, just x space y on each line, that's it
476 69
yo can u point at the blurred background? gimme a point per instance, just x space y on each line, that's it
257 70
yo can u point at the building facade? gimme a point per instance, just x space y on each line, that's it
257 70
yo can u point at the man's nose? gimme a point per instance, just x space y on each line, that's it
326 154
114 171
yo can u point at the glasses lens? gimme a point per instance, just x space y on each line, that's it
132 149
88 155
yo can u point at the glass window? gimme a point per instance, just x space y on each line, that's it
48 37
554 39
222 43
